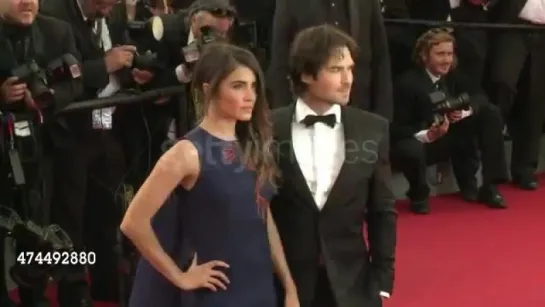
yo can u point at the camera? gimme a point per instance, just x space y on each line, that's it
35 79
443 104
146 35
191 53
50 242
63 68
38 80
147 61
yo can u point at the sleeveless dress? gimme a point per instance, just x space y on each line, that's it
220 218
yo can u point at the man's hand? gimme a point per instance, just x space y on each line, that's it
436 131
13 91
455 116
141 76
119 57
183 74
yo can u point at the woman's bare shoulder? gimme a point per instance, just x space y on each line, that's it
182 157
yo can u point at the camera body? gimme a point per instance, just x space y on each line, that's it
147 61
39 80
191 53
35 79
146 35
62 69
443 104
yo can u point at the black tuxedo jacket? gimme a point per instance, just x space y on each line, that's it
95 76
507 11
372 81
413 109
50 39
440 10
361 194
94 73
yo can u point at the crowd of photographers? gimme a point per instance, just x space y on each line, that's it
77 167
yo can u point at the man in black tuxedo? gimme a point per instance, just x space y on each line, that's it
26 36
90 168
420 137
335 178
363 20
513 51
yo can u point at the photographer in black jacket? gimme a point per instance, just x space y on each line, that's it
427 130
90 170
34 130
183 29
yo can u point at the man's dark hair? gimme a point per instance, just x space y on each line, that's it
311 50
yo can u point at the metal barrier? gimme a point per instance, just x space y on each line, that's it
123 99
456 24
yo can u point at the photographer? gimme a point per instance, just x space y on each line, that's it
183 37
90 172
30 46
428 130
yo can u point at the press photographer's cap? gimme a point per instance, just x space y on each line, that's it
220 8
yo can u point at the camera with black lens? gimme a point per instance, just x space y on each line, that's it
191 53
62 69
35 79
443 104
47 249
39 80
146 35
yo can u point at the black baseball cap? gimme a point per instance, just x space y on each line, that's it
222 8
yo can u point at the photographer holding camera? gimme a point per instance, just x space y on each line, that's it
439 114
90 171
39 73
186 32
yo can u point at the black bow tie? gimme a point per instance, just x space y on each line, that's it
329 120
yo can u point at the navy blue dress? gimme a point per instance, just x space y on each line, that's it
221 218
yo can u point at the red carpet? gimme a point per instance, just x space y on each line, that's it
465 255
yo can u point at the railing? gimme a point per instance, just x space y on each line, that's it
124 99
471 25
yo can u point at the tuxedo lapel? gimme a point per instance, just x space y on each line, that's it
353 144
354 16
426 81
291 171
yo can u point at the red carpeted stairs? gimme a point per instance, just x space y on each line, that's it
466 255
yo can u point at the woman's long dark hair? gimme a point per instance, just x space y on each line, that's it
216 63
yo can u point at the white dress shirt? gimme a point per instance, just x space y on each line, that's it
453 4
533 11
320 152
422 135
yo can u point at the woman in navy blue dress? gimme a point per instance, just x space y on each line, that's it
219 178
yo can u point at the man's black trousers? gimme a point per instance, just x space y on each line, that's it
87 179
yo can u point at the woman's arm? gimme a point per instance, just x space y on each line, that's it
278 258
179 163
